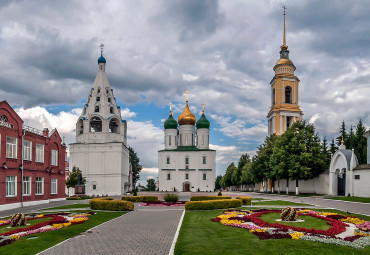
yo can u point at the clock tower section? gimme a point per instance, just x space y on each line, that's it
284 93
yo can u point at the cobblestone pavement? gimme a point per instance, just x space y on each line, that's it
144 231
361 208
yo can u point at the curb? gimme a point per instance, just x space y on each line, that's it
172 250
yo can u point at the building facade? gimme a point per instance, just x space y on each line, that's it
100 151
186 163
284 108
30 159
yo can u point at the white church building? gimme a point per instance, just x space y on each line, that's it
100 150
186 163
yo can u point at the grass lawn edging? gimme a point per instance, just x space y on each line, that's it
213 204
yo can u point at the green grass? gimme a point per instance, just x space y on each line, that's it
199 235
352 199
309 222
278 202
69 207
48 239
258 199
30 223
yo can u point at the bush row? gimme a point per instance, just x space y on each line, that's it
215 204
140 198
203 198
107 203
245 200
74 198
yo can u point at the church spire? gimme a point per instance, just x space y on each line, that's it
284 46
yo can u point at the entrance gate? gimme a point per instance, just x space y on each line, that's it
186 187
342 185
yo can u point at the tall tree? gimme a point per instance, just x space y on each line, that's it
135 164
226 179
218 182
360 143
333 148
351 139
72 179
261 168
237 174
325 151
150 186
343 135
247 174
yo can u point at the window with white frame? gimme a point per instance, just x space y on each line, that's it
54 186
26 185
54 157
168 159
11 147
204 160
39 185
187 160
168 176
204 176
39 152
169 140
10 186
27 150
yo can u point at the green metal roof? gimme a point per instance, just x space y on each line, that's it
203 122
170 123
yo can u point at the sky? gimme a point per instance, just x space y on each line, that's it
222 52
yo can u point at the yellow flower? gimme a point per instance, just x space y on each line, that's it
15 237
296 235
361 234
353 220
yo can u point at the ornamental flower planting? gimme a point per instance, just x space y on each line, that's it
18 219
251 221
57 221
289 214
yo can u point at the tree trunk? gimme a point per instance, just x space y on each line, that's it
296 187
287 186
279 186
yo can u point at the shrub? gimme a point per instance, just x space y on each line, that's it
107 203
215 204
172 198
219 194
203 198
134 193
245 200
136 199
74 198
18 219
289 214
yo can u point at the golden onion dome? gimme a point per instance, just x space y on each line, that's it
284 61
186 117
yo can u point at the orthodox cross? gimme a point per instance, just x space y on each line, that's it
203 104
284 42
170 108
101 48
187 95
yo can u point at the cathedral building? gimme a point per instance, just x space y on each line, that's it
100 151
284 94
186 163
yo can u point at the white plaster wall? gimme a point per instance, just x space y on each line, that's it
203 133
362 187
190 131
173 134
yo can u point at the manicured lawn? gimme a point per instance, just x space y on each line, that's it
309 222
30 223
69 207
258 199
199 235
48 239
352 199
277 202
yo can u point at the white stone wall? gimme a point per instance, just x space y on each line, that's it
196 169
187 135
203 138
173 134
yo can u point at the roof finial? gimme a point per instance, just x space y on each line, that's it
203 104
342 140
187 95
170 108
101 49
284 46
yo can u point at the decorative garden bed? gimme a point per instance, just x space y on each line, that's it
343 230
163 203
57 221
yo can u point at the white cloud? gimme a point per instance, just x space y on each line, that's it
127 114
189 77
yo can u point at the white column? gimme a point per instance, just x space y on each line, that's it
294 101
281 124
283 93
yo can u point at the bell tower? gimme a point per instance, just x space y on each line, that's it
284 93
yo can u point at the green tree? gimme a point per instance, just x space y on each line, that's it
135 164
351 139
333 148
72 179
218 182
227 178
326 152
297 154
360 143
247 174
150 186
343 135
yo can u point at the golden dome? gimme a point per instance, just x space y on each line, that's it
284 61
186 117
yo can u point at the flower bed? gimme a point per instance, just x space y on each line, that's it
163 203
251 221
58 221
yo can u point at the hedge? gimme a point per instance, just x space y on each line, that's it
107 203
245 200
74 198
140 198
203 198
215 204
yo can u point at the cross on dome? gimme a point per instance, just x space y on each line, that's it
187 95
101 48
203 104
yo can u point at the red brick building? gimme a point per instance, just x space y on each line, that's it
37 156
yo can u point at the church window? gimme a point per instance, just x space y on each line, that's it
186 176
202 139
168 176
168 160
273 96
204 160
169 140
80 126
107 91
180 139
98 99
97 108
288 95
357 177
99 90
111 110
288 121
94 186
192 139
204 176
95 124
108 99
113 126
84 112
186 160
186 140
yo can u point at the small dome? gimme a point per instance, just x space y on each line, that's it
102 60
284 61
187 117
170 123
203 122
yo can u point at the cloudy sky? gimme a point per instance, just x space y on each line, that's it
222 52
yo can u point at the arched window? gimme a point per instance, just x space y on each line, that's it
168 160
186 160
80 127
84 111
273 96
98 90
169 140
109 100
95 124
204 160
97 108
113 126
98 99
111 110
288 95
